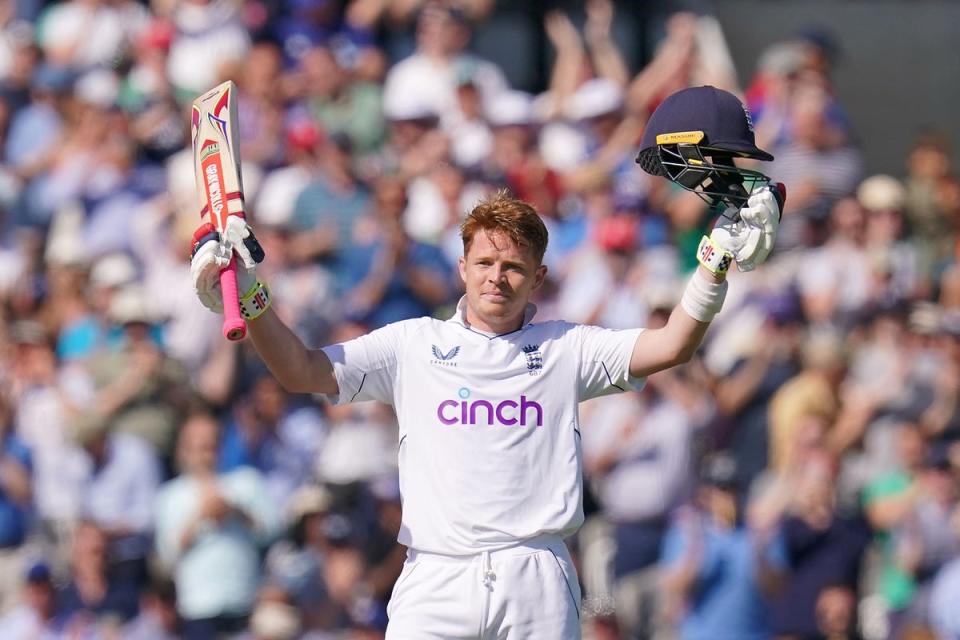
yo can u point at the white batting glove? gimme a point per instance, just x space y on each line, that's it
750 238
212 253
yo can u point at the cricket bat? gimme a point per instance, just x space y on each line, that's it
216 162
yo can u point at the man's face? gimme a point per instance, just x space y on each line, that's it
199 444
500 277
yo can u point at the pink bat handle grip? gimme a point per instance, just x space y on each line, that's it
234 327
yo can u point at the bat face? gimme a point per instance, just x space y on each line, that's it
216 154
211 172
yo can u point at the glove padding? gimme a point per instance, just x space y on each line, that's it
211 255
751 236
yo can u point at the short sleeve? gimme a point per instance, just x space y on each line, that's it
605 361
366 367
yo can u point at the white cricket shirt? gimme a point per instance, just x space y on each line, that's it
489 448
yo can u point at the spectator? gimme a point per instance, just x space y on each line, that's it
331 203
389 276
118 490
42 394
890 501
744 393
913 510
158 619
431 72
95 593
719 572
840 282
818 162
341 102
943 600
16 504
139 389
211 524
37 616
824 548
811 392
276 435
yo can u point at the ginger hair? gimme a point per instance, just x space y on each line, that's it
514 218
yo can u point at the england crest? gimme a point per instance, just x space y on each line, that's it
534 359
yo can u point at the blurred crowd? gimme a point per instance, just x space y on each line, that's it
799 479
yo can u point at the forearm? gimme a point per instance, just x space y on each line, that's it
769 578
735 391
426 286
15 481
189 534
678 340
607 59
296 368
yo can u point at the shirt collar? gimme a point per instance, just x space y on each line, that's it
460 316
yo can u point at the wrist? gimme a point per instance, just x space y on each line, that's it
710 276
704 295
713 258
255 301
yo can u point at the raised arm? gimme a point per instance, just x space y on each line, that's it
747 241
297 368
677 341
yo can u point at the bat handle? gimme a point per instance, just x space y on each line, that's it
234 327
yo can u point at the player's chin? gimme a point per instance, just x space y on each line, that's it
496 301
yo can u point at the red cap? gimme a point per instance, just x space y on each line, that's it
304 135
617 233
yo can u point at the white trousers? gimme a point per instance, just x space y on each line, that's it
526 592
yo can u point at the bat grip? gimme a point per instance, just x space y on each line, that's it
234 327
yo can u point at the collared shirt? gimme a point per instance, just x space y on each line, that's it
944 613
651 475
120 494
230 551
23 623
489 440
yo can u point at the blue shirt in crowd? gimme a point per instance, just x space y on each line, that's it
725 603
14 518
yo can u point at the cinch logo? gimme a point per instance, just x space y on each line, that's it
474 412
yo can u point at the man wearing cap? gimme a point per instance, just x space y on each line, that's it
489 441
35 618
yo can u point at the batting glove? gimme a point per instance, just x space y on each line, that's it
749 238
211 254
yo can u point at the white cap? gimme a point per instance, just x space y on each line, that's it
404 105
278 196
881 193
595 97
510 108
310 498
99 87
275 621
130 305
113 270
182 183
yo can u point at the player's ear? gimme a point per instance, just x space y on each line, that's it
462 268
539 276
